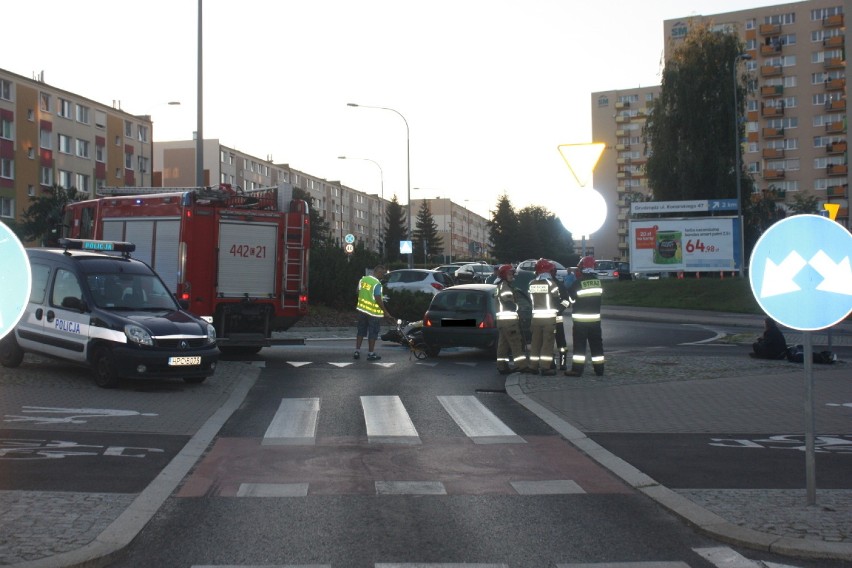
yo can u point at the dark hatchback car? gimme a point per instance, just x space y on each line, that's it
465 316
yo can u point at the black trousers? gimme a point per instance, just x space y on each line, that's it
583 333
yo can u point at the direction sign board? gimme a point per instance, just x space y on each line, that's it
800 272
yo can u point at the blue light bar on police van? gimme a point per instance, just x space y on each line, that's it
100 246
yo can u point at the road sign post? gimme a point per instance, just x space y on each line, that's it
801 276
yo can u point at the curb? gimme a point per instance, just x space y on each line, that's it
695 515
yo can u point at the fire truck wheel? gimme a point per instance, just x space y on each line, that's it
194 380
105 372
11 354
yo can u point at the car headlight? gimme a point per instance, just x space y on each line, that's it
138 335
211 334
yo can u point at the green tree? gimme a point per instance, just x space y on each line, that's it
320 229
426 241
42 220
695 107
503 232
542 235
396 230
804 202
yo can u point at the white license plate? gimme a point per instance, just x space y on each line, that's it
183 361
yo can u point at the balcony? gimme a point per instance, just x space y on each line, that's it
836 169
770 70
771 111
835 41
772 29
621 132
835 21
837 191
772 90
835 147
834 63
752 137
622 161
772 153
623 175
752 116
770 49
773 174
773 132
837 127
621 119
835 104
835 84
622 146
623 104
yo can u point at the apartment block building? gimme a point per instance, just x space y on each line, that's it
796 111
50 136
464 234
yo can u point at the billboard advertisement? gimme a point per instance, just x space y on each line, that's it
698 244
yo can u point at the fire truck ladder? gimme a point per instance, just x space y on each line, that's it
295 261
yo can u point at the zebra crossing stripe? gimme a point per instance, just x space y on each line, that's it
477 422
626 565
727 557
410 488
387 421
295 423
439 565
273 490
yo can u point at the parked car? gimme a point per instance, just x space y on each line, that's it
606 269
623 271
465 316
417 280
448 269
473 273
529 266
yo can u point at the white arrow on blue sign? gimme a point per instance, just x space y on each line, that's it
800 272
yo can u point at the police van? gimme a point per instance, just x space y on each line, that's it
91 306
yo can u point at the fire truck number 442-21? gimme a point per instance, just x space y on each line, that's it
249 251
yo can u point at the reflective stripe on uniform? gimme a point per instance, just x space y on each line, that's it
598 359
520 358
589 292
544 314
586 317
507 315
578 358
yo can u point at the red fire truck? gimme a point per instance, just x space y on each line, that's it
238 258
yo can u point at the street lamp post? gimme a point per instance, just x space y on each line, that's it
381 203
738 172
407 164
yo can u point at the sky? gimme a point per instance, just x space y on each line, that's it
488 88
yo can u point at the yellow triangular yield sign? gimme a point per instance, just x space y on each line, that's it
582 159
832 209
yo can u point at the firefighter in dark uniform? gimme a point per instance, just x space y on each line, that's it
509 339
560 360
546 301
586 295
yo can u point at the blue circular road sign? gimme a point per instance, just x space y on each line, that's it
800 272
15 279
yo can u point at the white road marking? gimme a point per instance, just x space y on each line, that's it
387 421
410 488
298 363
295 423
477 422
722 556
273 490
547 487
719 335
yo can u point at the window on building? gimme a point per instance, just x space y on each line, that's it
128 129
6 129
128 160
65 144
142 132
143 164
45 140
117 173
82 148
100 153
7 168
66 179
100 119
66 108
5 90
82 114
83 183
44 102
7 207
46 176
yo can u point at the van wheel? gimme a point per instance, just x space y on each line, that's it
11 353
105 372
194 380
